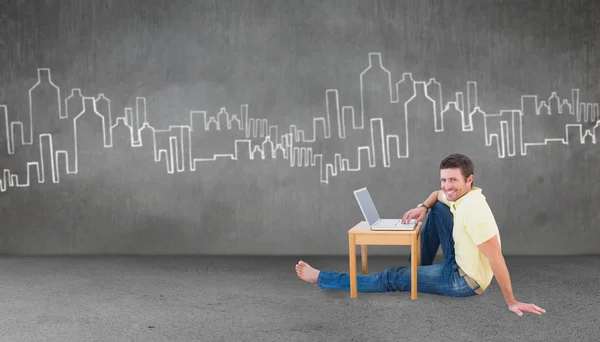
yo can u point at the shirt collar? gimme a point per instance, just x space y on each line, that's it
474 191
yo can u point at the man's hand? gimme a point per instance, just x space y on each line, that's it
519 308
419 213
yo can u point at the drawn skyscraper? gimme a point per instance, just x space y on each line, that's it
103 108
44 107
532 129
90 139
376 103
65 141
405 90
334 122
434 91
472 102
420 111
4 130
452 118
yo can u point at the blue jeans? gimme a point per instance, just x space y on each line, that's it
442 278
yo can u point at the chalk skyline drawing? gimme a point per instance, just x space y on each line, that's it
510 132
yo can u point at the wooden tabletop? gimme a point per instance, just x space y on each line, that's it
363 228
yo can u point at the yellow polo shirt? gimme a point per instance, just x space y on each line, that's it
474 223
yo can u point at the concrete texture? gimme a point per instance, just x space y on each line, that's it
261 299
295 64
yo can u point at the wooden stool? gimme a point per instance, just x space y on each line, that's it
362 235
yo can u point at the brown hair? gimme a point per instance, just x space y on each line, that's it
459 161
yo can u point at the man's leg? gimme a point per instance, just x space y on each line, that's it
437 230
341 281
434 279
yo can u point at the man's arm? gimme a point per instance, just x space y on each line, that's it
430 201
441 197
420 212
491 249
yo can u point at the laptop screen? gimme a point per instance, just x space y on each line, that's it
366 205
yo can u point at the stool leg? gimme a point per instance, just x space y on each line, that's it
363 257
413 267
353 280
419 256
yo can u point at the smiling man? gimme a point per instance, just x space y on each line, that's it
461 221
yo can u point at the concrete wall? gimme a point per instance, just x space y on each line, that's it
243 127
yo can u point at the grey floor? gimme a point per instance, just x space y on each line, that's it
261 299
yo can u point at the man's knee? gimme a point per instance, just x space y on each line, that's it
442 212
441 208
389 276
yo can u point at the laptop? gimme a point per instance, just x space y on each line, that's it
372 216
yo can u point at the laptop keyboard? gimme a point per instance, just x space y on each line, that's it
386 223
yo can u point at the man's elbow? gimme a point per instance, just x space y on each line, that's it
494 256
491 249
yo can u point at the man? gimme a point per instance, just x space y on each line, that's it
459 220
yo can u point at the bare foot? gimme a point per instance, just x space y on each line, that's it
307 273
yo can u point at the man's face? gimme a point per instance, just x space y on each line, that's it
454 183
